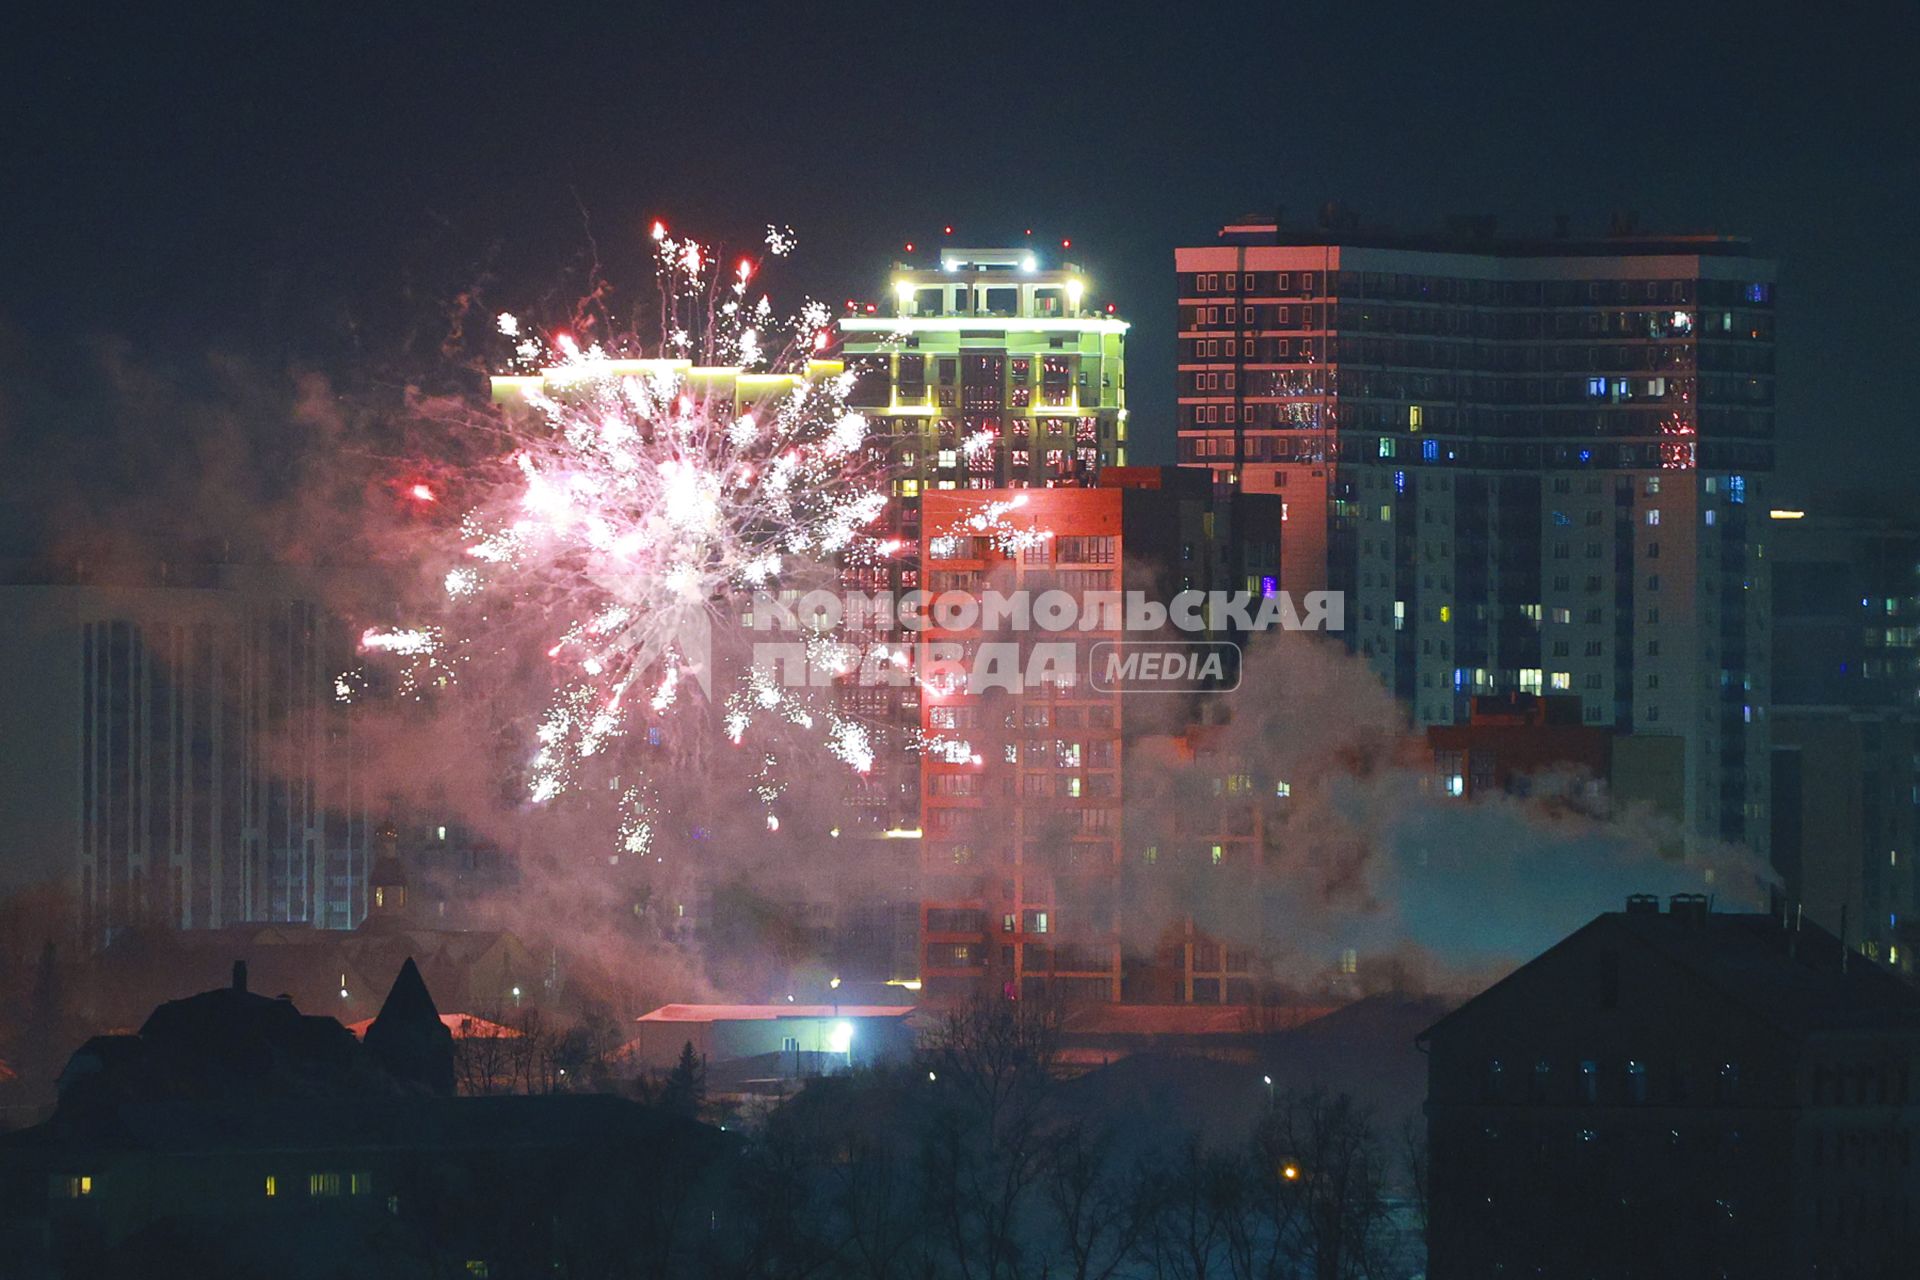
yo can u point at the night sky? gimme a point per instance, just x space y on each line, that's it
308 191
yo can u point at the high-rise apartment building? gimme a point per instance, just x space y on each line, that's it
1533 466
176 753
1846 724
992 372
989 370
1035 879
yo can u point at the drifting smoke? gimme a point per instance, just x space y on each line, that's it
1372 857
374 505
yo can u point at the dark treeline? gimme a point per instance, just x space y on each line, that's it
978 1161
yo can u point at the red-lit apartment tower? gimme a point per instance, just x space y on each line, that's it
1032 882
1021 792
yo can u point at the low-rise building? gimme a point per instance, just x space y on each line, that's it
1678 1093
793 1039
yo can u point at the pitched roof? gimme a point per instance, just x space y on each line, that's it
464 1026
1795 979
1799 979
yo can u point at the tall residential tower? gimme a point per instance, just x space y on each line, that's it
1532 465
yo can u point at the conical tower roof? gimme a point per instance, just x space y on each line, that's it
408 999
408 1039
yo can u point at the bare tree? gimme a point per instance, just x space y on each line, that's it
1195 1205
1413 1155
991 1064
833 1185
1330 1207
483 1058
1098 1212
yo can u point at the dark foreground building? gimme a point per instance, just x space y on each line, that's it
235 1136
1686 1093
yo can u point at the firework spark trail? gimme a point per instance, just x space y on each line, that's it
641 502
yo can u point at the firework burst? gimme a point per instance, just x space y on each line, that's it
639 500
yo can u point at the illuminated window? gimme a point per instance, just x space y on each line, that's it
360 1184
1446 613
1416 417
273 1186
323 1184
72 1186
1653 515
1219 855
1562 680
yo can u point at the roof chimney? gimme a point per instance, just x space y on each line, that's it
1643 904
1690 908
239 975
